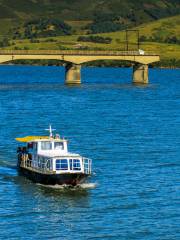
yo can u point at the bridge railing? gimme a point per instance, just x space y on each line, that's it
75 52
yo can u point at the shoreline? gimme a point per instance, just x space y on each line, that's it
45 65
86 65
163 64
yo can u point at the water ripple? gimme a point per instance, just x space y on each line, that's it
131 133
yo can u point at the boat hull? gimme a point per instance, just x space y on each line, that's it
71 179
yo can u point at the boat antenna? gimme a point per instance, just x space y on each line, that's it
50 130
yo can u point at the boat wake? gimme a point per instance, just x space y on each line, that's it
69 187
87 185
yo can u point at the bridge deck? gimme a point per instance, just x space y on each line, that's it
75 52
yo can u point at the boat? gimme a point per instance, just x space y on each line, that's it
46 160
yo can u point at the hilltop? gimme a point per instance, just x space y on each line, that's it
80 14
84 10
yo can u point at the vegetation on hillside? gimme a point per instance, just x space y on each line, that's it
166 30
106 16
67 24
41 28
170 39
140 10
103 22
5 43
95 39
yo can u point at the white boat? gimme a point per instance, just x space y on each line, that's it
46 160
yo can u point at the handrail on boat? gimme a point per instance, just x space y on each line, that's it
87 165
37 165
46 166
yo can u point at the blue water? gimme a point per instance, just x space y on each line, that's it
132 133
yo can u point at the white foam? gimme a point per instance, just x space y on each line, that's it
87 185
63 187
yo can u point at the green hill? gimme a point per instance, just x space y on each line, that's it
124 13
169 52
84 10
69 24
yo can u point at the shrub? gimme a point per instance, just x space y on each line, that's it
5 43
95 39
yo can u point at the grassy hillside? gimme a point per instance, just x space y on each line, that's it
156 34
81 10
127 12
164 27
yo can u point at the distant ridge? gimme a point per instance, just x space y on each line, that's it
140 10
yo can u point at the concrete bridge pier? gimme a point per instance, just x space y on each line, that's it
140 73
73 73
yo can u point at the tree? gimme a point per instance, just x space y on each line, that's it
5 43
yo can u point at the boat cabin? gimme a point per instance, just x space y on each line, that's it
48 147
50 154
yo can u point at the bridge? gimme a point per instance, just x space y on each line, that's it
75 58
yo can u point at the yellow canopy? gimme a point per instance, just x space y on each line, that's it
31 138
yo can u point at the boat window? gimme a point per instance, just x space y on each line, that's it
75 164
58 146
46 145
61 164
